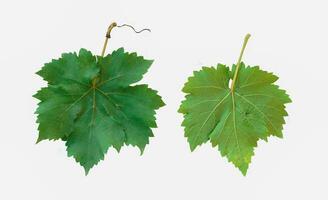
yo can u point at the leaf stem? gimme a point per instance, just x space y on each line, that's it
114 24
239 61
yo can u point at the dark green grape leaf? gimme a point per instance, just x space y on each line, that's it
89 103
233 120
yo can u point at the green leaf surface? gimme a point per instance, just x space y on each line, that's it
233 120
89 103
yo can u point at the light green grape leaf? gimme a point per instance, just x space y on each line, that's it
233 118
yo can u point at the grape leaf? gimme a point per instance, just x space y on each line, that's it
233 120
89 103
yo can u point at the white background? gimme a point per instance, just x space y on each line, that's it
289 38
